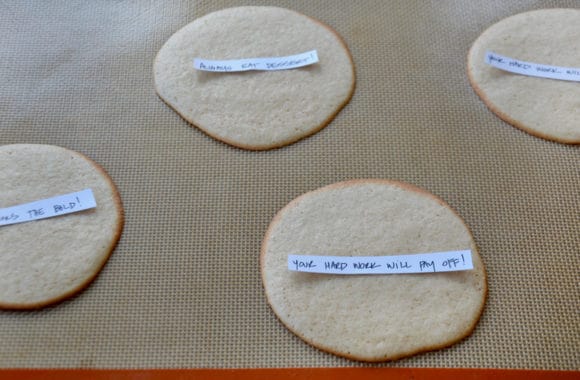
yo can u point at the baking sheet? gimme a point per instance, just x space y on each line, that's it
183 289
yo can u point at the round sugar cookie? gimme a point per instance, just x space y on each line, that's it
255 110
546 108
371 317
45 261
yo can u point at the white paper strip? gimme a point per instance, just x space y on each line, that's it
47 208
417 263
268 64
532 69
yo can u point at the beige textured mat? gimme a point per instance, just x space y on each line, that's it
183 287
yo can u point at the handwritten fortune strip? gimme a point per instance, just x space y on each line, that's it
415 263
267 64
532 69
48 208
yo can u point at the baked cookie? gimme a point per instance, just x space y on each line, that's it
371 317
255 110
546 108
45 261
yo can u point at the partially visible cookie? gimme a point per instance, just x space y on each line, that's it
371 317
45 261
255 110
546 108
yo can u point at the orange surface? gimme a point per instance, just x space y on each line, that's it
286 373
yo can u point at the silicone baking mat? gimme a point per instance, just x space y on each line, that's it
183 288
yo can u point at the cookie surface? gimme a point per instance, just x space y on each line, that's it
371 317
45 261
255 110
546 108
